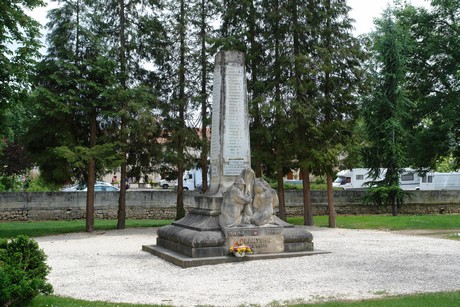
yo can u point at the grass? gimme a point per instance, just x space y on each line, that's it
400 222
53 300
46 228
388 222
439 299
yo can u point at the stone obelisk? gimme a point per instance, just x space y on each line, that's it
230 145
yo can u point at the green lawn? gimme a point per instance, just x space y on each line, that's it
400 222
46 228
440 299
388 222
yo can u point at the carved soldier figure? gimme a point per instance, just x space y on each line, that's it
265 201
235 209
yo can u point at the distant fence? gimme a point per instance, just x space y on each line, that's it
158 204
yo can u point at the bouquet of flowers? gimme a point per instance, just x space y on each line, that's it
239 249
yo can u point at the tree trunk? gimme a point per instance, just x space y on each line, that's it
307 210
122 199
394 205
180 209
203 96
91 175
330 202
282 201
121 224
253 62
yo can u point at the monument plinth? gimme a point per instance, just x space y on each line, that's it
238 207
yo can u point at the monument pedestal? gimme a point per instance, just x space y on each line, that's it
197 239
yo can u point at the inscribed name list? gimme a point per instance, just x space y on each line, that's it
236 146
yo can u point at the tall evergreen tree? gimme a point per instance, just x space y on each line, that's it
303 108
178 94
134 36
336 59
74 80
326 77
275 107
384 114
202 50
242 30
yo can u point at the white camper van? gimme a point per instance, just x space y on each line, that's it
358 178
193 180
409 179
440 181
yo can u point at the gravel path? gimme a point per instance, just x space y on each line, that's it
110 266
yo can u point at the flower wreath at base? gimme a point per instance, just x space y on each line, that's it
239 249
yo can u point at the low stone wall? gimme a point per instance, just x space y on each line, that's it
159 204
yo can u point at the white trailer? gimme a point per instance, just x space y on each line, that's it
409 179
193 179
440 181
358 178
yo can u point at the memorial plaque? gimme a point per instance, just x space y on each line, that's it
263 240
215 124
230 148
267 244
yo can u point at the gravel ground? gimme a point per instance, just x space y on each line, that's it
110 266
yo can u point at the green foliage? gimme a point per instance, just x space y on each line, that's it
40 185
432 80
23 271
10 184
385 113
385 195
446 164
19 45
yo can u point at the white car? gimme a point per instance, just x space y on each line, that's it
103 187
165 184
98 186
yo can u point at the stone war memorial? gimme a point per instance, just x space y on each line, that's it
238 209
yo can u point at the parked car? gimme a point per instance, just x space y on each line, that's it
98 186
166 184
103 187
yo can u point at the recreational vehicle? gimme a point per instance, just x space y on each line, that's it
358 178
440 181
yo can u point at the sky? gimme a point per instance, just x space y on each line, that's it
365 11
362 11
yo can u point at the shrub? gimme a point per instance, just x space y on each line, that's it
22 271
385 195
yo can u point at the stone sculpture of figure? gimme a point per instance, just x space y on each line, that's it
235 209
249 178
264 203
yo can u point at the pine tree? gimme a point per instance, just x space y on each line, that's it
384 114
134 35
74 80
